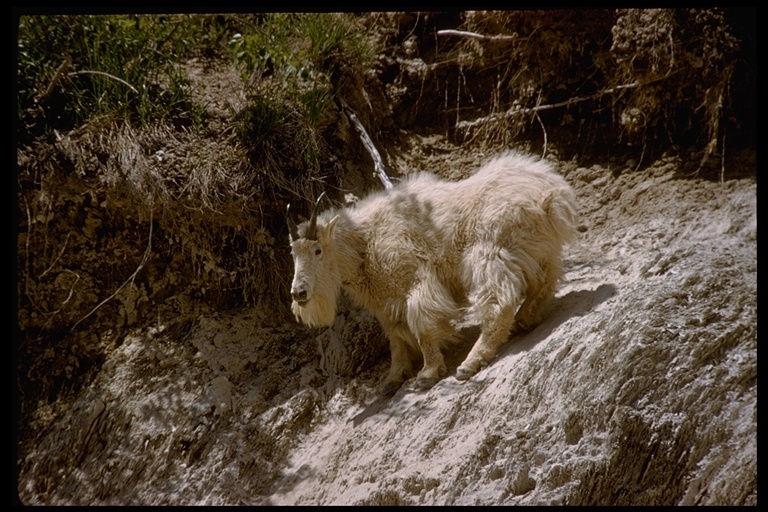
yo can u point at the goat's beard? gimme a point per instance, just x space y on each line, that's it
320 311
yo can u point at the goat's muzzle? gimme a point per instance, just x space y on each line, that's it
300 296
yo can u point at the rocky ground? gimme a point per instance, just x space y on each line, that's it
639 387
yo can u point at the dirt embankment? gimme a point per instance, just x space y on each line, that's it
639 387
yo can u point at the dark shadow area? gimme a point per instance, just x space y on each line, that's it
284 483
734 163
406 398
559 310
375 407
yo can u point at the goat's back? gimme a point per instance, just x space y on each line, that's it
510 193
512 196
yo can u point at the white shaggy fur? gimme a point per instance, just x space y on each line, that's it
430 256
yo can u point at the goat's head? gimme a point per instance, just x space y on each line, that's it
315 284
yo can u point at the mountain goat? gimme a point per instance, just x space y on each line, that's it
430 256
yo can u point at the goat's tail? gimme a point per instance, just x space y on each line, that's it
560 207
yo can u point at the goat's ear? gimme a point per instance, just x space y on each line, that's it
332 226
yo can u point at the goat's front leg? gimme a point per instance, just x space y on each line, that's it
401 367
429 309
434 364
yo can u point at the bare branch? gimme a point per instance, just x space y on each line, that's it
515 110
379 170
60 71
71 288
543 129
102 73
55 80
66 240
474 35
722 162
130 279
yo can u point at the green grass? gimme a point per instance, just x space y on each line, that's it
83 70
74 69
291 57
288 61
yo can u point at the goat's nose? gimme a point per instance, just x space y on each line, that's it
299 295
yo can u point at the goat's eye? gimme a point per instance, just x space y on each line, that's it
318 251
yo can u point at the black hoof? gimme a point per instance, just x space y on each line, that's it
464 374
524 327
389 389
424 384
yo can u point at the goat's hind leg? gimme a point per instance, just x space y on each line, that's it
493 336
496 281
538 296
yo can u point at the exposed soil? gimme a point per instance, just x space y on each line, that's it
638 388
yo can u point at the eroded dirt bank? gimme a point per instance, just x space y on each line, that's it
639 387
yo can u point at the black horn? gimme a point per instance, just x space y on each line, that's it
312 231
291 225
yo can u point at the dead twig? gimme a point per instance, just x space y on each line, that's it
60 72
102 73
516 110
380 170
55 80
543 129
130 279
64 247
475 35
722 162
